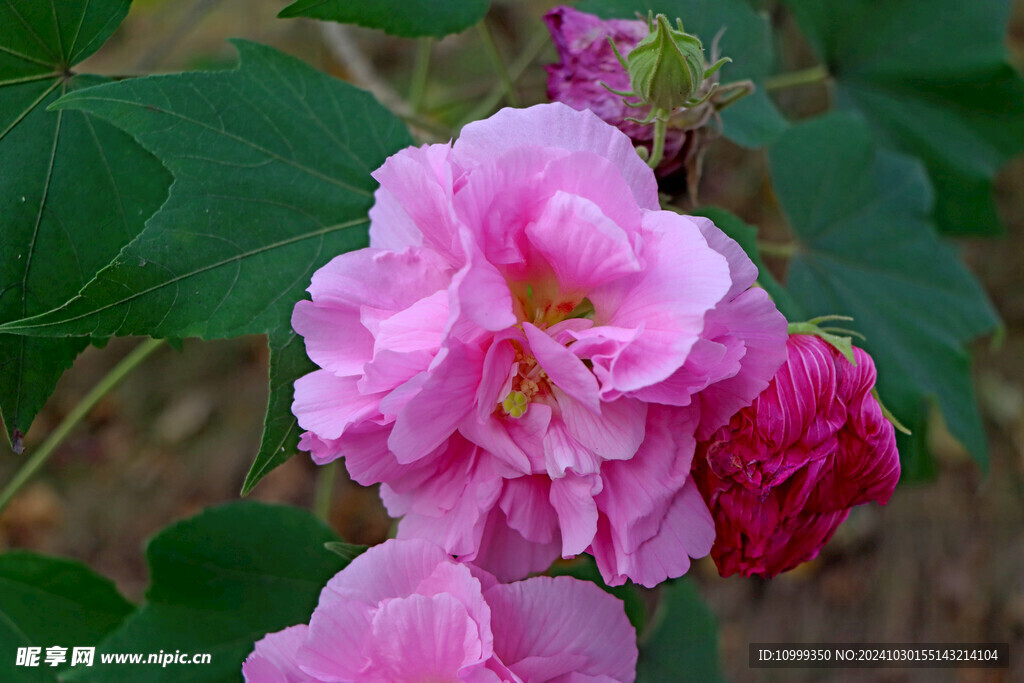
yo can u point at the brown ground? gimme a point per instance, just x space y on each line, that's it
944 561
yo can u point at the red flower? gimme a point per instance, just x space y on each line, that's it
784 473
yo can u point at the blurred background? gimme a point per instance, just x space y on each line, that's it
944 561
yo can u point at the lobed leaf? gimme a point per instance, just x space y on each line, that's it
272 166
50 601
220 581
409 18
73 190
682 641
868 249
933 79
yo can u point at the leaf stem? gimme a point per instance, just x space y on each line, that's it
538 42
420 70
71 420
793 79
499 66
324 490
779 249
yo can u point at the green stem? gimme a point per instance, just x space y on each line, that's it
39 458
420 69
538 42
324 490
658 151
499 66
792 79
780 249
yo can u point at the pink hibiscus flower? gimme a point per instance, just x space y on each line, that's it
525 352
405 611
784 473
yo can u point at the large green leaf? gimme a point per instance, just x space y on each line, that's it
219 582
73 190
399 17
47 602
754 120
932 78
272 166
280 442
869 250
682 642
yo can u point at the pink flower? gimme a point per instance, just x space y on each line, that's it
587 61
405 611
785 472
525 352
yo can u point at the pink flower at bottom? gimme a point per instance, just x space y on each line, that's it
784 473
406 611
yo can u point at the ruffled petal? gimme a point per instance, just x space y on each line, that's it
548 627
274 658
556 125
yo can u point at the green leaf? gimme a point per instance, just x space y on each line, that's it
272 166
346 551
220 581
407 18
682 641
73 190
932 78
49 601
753 121
869 250
746 236
280 442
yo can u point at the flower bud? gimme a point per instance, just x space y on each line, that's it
666 69
785 471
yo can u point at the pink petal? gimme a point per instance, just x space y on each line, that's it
527 507
667 301
328 405
420 638
496 381
445 399
614 435
547 627
562 453
335 340
413 204
556 125
751 321
566 370
638 492
573 499
380 279
274 658
742 270
583 246
686 531
506 554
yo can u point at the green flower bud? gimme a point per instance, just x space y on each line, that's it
666 69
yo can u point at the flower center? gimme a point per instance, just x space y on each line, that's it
529 381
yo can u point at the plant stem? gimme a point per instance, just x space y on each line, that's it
420 69
538 42
780 249
792 79
324 490
499 66
658 150
102 388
